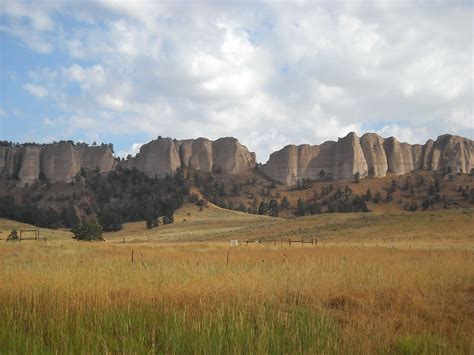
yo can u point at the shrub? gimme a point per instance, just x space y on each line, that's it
13 235
87 230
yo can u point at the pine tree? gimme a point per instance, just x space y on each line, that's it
368 195
273 208
284 204
300 208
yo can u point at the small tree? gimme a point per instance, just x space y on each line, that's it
300 208
368 195
87 230
377 197
284 204
151 220
262 209
273 208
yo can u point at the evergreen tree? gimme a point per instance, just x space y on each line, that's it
273 208
368 195
300 208
377 197
284 204
262 208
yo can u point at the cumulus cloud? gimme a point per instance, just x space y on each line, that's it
132 150
269 74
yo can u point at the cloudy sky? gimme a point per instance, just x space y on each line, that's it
268 73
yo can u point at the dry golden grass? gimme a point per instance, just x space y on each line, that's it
374 284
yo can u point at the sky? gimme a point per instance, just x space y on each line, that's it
267 73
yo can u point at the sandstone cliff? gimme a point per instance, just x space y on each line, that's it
369 154
29 164
226 154
54 162
158 157
164 155
61 162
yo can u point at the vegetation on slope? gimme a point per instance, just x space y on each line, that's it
119 196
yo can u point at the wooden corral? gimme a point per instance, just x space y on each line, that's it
35 231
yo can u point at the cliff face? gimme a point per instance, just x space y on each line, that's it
164 155
158 157
29 164
59 162
370 154
367 155
226 154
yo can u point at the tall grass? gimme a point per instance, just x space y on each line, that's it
73 297
143 329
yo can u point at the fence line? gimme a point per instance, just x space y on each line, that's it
312 241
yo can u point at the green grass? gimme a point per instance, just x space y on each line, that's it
134 329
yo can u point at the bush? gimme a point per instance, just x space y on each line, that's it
13 235
88 230
151 220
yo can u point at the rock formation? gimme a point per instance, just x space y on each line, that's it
370 154
225 154
58 162
164 155
158 157
29 164
367 155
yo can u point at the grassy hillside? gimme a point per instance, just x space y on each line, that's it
438 229
402 228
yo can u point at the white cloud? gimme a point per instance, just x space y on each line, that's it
269 73
132 150
36 90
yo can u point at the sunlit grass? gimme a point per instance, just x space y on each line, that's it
373 284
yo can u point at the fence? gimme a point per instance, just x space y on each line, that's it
36 232
281 241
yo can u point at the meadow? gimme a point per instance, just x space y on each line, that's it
375 283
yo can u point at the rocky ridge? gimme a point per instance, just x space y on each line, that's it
61 162
369 155
366 155
57 162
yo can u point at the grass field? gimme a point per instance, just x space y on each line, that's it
374 283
